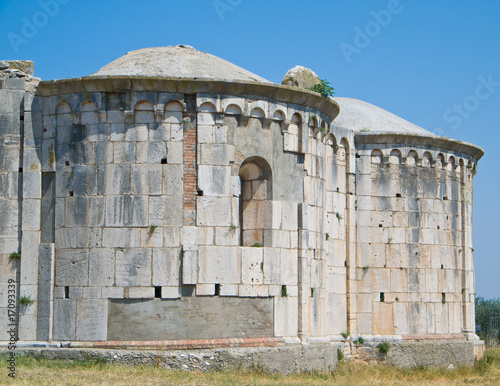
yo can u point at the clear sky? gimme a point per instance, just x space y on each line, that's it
422 60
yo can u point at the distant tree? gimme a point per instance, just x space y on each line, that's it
488 319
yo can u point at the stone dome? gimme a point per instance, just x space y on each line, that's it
361 116
179 61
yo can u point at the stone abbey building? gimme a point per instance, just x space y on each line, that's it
173 196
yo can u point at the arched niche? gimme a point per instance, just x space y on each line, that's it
206 114
440 161
427 159
173 112
255 201
88 113
63 112
450 166
395 157
144 112
412 158
377 156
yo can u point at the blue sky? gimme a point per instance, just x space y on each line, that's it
422 61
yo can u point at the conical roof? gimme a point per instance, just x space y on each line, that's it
362 116
177 62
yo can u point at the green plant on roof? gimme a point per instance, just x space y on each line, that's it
15 255
323 88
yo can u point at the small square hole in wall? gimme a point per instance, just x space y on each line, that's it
398 195
157 292
283 291
66 292
67 163
21 118
71 193
217 289
445 198
163 161
443 298
357 155
439 227
338 190
442 266
200 193
20 170
345 263
380 226
382 297
300 159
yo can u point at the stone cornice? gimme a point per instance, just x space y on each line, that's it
281 93
427 141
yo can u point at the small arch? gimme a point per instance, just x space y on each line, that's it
377 156
256 193
451 163
173 112
412 158
345 143
323 126
63 108
395 157
440 161
144 112
233 110
87 106
279 115
207 107
257 112
427 159
296 118
313 121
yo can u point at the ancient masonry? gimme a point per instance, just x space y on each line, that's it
173 199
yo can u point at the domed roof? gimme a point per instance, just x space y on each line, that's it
177 62
364 117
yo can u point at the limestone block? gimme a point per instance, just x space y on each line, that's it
92 293
213 211
114 179
170 292
177 132
381 280
216 154
191 235
78 237
286 316
259 189
401 325
174 154
276 215
364 302
113 292
220 134
32 185
147 179
141 293
189 267
365 323
289 266
162 132
226 236
31 215
151 152
128 211
417 316
116 116
133 267
229 290
205 289
72 267
102 267
171 237
416 280
136 133
257 214
151 238
124 152
91 319
427 236
75 292
382 318
172 179
121 237
235 186
99 132
64 319
289 220
205 134
219 265
117 132
272 266
251 265
399 280
166 266
214 180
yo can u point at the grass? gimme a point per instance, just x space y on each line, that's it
42 371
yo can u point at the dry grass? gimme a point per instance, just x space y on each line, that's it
41 371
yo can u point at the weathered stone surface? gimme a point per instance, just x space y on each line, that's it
133 267
300 77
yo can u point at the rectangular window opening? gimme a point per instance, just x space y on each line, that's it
163 161
398 195
382 297
312 292
283 291
66 292
443 298
157 292
217 289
